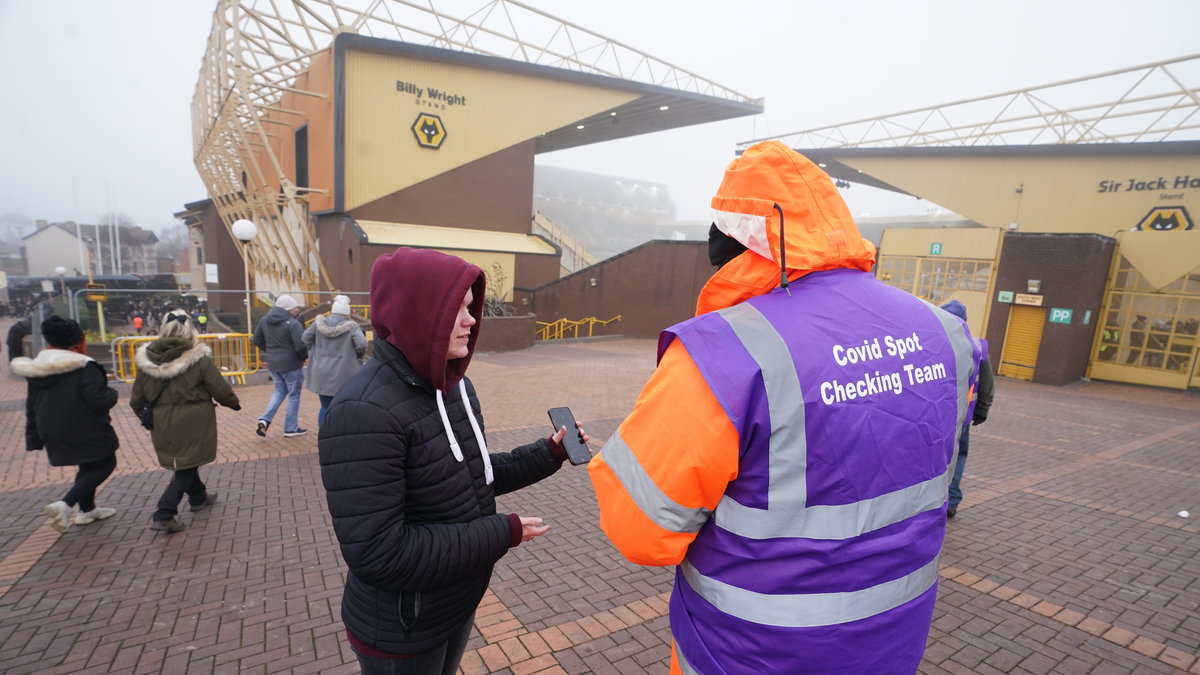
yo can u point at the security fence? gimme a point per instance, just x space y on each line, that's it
233 353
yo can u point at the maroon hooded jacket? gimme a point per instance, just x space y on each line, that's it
415 296
403 465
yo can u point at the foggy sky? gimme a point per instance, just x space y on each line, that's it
97 108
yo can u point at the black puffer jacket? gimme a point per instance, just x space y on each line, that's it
66 411
418 528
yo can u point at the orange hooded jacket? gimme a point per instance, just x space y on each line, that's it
678 431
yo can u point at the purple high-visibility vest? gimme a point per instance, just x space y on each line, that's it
848 396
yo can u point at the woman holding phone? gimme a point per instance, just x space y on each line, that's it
409 480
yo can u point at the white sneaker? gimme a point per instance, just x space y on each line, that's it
98 513
59 514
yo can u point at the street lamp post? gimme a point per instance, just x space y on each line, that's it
245 231
62 281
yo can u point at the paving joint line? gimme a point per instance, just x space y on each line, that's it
521 649
1104 630
16 564
1029 480
1124 513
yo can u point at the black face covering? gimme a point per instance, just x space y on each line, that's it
721 247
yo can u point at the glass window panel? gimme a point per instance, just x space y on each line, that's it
983 272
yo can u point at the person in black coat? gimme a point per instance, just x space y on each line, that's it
409 480
66 413
16 337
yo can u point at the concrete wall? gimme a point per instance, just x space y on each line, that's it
506 333
652 287
1072 269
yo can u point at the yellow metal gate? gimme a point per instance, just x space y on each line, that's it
1021 341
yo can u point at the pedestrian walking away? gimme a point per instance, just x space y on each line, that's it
177 376
336 345
16 337
982 398
67 414
791 452
281 338
409 480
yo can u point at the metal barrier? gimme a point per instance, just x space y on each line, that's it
557 330
233 353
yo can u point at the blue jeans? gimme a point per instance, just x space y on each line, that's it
286 384
960 463
325 401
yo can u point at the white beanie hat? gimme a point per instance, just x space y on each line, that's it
341 298
340 307
286 302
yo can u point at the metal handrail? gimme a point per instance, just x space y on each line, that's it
557 329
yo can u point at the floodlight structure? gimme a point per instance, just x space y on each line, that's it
1151 103
259 51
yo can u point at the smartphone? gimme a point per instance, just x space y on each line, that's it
577 450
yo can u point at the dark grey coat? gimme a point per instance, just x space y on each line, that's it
280 336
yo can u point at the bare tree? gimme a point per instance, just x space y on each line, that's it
172 240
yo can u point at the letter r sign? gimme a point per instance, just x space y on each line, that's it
1060 315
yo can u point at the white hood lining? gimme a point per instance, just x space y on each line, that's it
750 230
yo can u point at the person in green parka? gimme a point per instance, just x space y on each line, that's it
177 375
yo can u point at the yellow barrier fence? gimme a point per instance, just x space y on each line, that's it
564 328
233 353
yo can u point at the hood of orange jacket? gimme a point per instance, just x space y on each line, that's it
816 233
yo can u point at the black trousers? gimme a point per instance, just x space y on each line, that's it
441 660
184 481
88 477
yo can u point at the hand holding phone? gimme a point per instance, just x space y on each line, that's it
572 441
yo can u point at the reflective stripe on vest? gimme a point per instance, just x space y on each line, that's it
652 501
966 364
811 609
787 514
683 664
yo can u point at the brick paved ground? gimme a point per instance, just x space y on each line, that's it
1067 555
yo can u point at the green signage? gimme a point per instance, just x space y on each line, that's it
1060 315
935 249
1004 296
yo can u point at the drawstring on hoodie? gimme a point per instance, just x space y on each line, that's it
487 459
783 280
454 445
446 425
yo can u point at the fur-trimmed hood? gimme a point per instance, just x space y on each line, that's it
327 326
166 358
49 362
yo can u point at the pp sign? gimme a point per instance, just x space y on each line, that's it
1060 315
